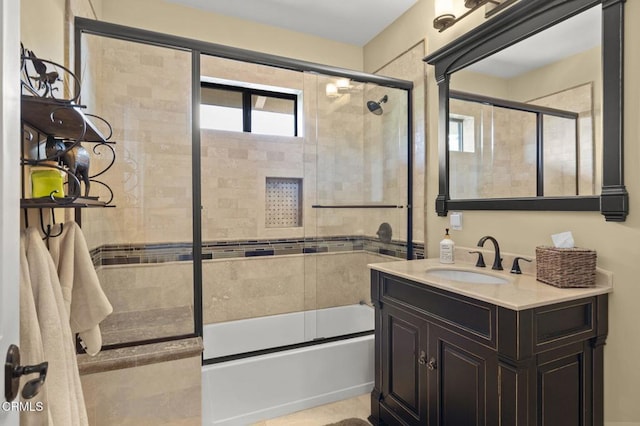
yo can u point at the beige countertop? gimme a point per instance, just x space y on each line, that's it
519 293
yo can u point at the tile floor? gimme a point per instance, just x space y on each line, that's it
359 407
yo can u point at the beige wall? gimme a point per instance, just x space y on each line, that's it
45 26
617 244
160 394
41 28
178 20
480 84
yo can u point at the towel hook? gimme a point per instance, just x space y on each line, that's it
48 232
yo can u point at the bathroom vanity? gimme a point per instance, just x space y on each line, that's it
463 352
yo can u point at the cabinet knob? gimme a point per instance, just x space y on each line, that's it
432 365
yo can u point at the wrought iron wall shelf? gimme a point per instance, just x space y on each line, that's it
64 120
54 128
65 202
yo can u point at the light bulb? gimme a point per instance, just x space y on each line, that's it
343 85
331 90
444 7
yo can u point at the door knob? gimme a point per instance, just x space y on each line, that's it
13 371
423 358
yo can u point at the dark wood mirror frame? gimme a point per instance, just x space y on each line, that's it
523 20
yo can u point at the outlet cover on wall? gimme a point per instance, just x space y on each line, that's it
455 219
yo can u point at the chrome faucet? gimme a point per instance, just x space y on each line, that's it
497 261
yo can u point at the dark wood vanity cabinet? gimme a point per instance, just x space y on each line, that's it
449 360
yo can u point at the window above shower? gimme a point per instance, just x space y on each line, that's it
247 109
461 133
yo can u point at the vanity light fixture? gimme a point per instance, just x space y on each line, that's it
331 90
339 87
343 85
446 11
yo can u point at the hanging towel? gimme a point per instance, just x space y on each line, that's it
31 350
86 303
64 391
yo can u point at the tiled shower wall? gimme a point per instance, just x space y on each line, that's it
339 157
503 163
235 288
145 92
410 66
571 84
579 99
331 157
151 178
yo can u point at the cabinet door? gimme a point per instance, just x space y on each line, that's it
403 356
462 380
564 386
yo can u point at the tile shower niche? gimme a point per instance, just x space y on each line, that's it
283 202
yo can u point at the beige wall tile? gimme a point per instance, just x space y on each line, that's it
167 393
150 114
148 287
252 287
409 66
343 153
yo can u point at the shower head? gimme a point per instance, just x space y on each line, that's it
376 107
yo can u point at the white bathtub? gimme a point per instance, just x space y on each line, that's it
251 389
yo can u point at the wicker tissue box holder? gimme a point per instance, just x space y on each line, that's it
566 267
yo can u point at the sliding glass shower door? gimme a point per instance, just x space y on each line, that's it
360 207
300 179
143 247
253 180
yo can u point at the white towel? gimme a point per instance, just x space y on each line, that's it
31 350
85 301
64 391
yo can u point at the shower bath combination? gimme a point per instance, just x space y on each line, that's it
376 107
297 294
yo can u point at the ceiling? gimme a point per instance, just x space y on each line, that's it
348 21
572 36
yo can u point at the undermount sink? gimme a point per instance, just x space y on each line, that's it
466 276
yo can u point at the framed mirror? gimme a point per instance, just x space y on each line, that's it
530 111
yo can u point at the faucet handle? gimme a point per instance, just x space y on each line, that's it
480 262
515 268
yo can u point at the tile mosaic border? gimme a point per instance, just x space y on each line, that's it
133 254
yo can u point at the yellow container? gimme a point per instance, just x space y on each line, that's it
45 182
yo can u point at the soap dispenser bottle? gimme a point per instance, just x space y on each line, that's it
446 248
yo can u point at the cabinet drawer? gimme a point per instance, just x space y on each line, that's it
564 323
472 318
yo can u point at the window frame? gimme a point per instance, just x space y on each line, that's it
459 124
247 107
